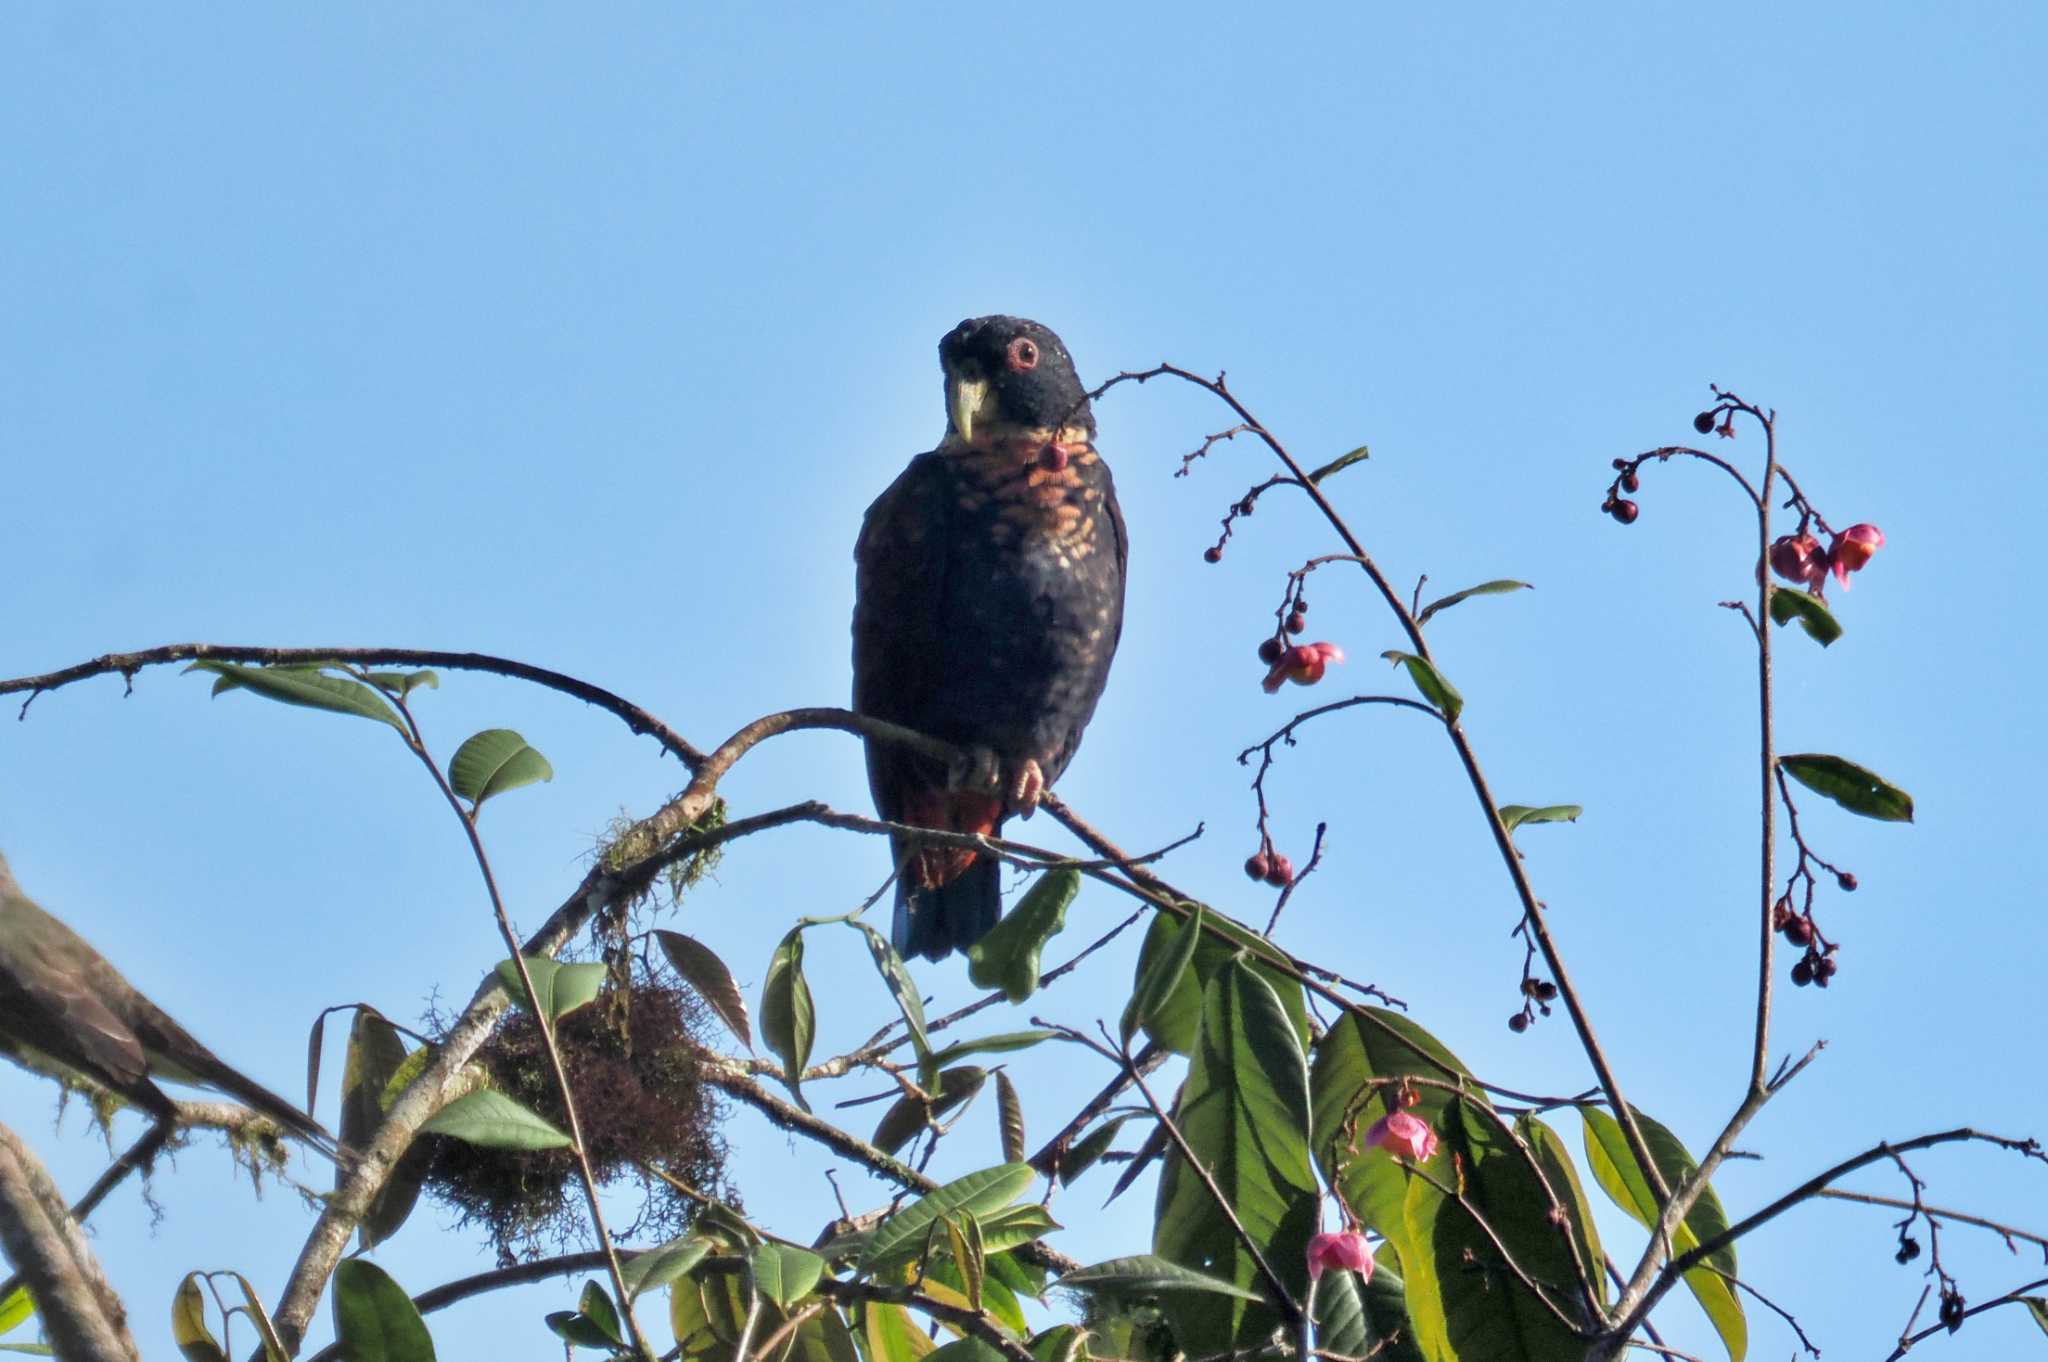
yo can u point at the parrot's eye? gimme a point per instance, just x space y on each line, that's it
1023 353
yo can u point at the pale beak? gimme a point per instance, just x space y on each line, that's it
964 397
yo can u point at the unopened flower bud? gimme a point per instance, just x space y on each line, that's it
1799 558
1348 1251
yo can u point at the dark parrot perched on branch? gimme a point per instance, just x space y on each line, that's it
988 600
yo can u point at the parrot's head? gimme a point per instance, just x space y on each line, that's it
1006 375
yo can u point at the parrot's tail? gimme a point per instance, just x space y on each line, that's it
934 922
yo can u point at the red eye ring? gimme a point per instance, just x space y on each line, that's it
1023 354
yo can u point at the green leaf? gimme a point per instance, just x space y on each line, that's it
1811 612
1174 1022
303 686
900 1238
491 1120
1386 1310
573 1327
188 1323
909 1116
1147 1274
699 967
968 1349
16 1309
1430 682
1244 1113
1010 1109
376 1056
1061 1343
374 1320
1088 1150
1160 973
1512 816
1498 587
892 1335
1013 1225
901 986
403 683
596 1306
1853 787
2037 1307
1340 463
494 761
659 1266
963 1237
989 1045
1149 1153
784 1274
1021 1279
1562 1178
560 988
1007 957
788 1020
1614 1168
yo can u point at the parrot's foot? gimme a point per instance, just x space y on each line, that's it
1021 791
979 771
1017 783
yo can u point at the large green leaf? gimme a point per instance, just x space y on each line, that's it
901 986
376 1055
783 1273
788 1019
1008 956
1147 1274
1556 1163
189 1329
1160 973
1173 1023
1614 1168
491 1120
659 1266
374 1320
908 1116
901 1237
1855 788
305 686
1244 1112
1812 613
560 988
892 1335
494 761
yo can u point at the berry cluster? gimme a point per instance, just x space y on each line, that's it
1817 965
1269 866
1626 479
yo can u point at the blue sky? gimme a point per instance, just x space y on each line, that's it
584 336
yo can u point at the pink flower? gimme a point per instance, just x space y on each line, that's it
1346 1250
1399 1133
1799 558
1302 664
1853 548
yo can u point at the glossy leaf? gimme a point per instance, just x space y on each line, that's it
572 1326
1147 1274
494 761
1499 586
304 686
1430 682
374 1320
1160 973
658 1267
1174 1022
690 1321
376 1056
188 1323
273 1346
1014 1225
1386 1310
1855 788
968 1349
1512 816
1010 1110
1008 956
16 1309
491 1120
783 1273
892 1335
970 1258
1148 1154
560 988
1061 1343
1813 615
908 1116
824 1337
1089 1149
990 1045
699 967
1022 1279
901 1237
1614 1168
1563 1179
1244 1112
901 986
1341 462
596 1305
788 1020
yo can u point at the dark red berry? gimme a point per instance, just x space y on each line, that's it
1296 622
1781 913
1546 992
1281 873
1704 422
1802 973
1824 970
1847 881
1212 555
1909 1249
1518 1023
1301 605
1270 650
1607 506
1952 1310
1257 866
1799 931
1626 511
1630 482
1621 463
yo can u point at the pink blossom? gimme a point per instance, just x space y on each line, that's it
1800 558
1345 1250
1302 664
1399 1133
1853 548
